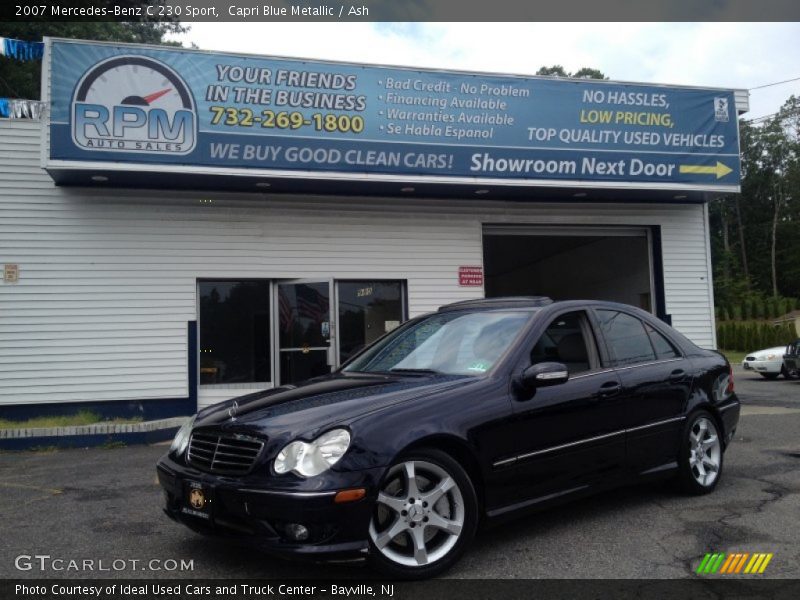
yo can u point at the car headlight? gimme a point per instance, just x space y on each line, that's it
312 458
181 440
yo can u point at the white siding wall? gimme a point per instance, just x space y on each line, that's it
107 277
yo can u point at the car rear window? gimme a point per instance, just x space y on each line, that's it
626 338
664 348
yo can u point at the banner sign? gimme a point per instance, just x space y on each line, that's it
156 106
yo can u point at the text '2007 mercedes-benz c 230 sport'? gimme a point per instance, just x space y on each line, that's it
480 411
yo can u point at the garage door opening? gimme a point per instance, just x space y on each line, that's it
570 263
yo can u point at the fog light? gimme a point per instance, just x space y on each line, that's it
296 532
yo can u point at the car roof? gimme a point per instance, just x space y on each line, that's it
532 302
502 302
535 303
548 306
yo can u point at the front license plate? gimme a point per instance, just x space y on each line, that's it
197 500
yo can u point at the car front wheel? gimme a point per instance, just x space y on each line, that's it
701 456
425 515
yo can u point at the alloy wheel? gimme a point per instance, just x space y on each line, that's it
705 451
419 514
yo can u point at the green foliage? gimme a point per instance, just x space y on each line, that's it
22 79
754 306
559 71
112 444
587 73
736 312
750 336
734 356
554 71
82 417
742 225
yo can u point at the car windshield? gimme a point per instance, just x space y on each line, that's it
453 343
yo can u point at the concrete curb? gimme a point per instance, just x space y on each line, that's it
93 429
96 434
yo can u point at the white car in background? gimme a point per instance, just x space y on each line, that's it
767 363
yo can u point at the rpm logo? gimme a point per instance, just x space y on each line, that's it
134 104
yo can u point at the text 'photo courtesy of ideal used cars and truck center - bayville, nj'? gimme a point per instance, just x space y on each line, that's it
276 317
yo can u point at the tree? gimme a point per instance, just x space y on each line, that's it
788 226
771 184
587 73
22 79
559 71
554 71
755 235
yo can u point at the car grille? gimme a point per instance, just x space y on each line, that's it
223 453
750 358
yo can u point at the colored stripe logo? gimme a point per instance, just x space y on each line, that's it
734 563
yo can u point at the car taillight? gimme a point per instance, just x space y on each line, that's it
729 389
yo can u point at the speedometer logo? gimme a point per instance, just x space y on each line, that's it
134 104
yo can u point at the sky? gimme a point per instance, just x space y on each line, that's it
728 55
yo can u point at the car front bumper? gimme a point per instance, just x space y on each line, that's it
763 366
247 511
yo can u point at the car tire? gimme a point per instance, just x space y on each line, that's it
769 375
701 456
425 516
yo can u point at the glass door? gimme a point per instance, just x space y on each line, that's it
306 336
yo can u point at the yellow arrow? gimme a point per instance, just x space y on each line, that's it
719 169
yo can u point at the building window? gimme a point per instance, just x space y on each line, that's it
367 310
234 332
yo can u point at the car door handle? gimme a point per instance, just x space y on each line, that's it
677 375
608 389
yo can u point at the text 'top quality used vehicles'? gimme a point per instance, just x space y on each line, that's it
483 410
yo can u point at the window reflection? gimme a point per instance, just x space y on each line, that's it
304 315
367 310
626 338
234 332
455 343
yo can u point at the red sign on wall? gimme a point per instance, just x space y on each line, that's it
470 276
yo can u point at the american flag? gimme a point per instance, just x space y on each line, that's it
311 304
286 311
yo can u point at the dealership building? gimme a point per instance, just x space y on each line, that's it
182 227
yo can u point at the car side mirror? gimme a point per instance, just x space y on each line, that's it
544 374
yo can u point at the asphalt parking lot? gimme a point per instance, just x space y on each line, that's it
105 504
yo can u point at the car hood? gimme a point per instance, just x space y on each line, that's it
315 405
777 351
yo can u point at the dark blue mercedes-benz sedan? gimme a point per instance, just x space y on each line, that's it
480 411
